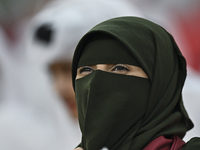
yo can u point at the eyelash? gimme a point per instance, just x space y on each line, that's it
85 69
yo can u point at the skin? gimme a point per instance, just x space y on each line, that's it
61 73
113 68
79 148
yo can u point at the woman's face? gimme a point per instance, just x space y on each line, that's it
113 68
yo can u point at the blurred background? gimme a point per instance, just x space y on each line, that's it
37 40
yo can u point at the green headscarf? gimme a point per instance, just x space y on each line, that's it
103 48
126 112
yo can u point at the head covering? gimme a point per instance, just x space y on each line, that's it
99 50
157 108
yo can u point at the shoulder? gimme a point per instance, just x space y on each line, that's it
193 144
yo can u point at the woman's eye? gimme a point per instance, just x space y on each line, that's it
120 68
86 70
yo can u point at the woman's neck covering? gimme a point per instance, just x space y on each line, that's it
162 113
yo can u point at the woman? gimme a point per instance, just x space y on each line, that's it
128 75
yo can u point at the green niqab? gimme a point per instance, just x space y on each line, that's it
126 112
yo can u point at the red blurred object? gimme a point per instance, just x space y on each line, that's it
189 32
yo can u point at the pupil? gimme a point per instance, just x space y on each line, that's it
120 68
85 70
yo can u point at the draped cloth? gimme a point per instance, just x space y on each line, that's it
131 124
162 143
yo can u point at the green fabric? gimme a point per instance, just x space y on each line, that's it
193 144
126 112
104 48
107 113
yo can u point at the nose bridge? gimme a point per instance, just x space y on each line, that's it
102 67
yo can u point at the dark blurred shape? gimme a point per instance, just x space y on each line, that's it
44 33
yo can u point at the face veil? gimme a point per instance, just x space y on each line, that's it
150 108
